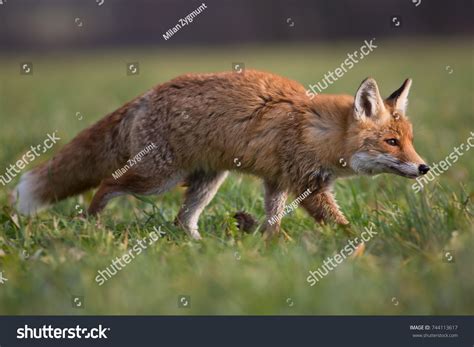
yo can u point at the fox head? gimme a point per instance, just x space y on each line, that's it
380 134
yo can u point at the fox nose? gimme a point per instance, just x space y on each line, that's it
423 169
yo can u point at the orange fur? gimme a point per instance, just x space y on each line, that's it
204 125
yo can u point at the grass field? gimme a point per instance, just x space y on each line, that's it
54 256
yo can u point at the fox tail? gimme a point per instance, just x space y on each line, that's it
82 164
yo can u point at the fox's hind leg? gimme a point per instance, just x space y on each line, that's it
323 208
202 186
275 200
132 183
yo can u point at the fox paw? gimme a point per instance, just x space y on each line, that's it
245 221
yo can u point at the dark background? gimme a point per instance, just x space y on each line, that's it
52 24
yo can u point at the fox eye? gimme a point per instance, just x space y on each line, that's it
392 142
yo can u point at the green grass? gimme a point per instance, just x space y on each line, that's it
50 257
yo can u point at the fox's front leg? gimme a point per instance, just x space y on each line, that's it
275 200
323 208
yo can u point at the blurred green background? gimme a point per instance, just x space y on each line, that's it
54 256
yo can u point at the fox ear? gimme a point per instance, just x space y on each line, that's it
399 98
368 103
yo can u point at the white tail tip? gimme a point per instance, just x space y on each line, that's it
25 195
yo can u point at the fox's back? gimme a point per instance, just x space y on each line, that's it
212 119
230 93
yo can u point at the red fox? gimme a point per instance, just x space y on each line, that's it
204 125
